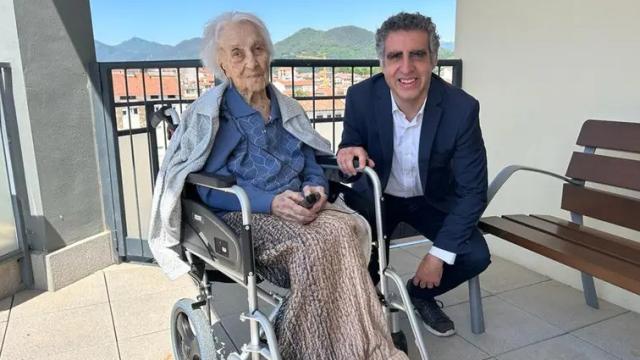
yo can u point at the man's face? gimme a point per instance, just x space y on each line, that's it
243 55
407 66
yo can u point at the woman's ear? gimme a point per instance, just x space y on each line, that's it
220 62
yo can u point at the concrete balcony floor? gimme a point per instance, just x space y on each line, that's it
122 312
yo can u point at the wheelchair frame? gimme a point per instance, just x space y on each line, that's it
245 275
259 323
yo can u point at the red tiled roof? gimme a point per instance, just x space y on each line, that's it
322 105
135 87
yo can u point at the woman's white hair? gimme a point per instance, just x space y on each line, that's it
211 35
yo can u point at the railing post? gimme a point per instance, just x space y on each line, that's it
107 133
153 143
10 148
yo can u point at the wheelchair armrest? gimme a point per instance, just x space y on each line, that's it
211 181
327 161
225 184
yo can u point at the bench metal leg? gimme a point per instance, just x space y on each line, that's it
475 305
589 289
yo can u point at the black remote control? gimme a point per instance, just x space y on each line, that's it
309 200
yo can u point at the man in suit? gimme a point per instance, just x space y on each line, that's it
422 136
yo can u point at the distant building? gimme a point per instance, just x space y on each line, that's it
324 109
168 85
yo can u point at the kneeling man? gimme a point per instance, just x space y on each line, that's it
422 136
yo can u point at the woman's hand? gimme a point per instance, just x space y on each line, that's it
319 205
285 205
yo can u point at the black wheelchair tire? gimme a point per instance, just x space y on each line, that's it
191 337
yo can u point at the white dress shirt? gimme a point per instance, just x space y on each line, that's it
404 180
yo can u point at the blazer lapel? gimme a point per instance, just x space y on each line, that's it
430 122
384 122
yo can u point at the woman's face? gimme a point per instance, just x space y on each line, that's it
243 55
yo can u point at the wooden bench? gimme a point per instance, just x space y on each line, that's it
608 257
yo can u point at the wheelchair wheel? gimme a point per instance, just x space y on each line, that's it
191 337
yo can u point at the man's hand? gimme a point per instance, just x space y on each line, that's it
285 205
345 159
429 272
319 205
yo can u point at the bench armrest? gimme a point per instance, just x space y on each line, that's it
506 173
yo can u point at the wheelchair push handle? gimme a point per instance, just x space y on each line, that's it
356 162
168 115
165 114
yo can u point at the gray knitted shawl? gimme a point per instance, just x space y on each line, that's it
188 151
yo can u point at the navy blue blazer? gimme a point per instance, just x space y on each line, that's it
452 158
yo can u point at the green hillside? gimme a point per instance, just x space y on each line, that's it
346 42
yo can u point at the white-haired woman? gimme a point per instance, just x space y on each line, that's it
249 130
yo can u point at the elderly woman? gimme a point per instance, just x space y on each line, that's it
250 131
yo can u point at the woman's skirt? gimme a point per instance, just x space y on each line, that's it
332 310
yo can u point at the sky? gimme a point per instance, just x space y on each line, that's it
171 21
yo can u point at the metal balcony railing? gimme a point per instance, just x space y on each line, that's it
13 193
132 91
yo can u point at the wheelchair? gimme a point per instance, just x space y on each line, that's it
217 254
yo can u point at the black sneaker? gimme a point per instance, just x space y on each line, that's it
437 322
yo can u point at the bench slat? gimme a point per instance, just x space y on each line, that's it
602 266
614 208
624 173
620 248
592 231
613 135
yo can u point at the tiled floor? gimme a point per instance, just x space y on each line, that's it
123 313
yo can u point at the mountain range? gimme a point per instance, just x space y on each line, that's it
345 42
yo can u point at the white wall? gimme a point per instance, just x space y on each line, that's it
539 69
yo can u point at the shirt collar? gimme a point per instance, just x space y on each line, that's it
396 109
238 107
